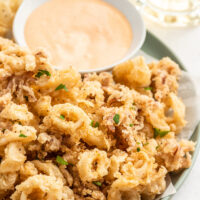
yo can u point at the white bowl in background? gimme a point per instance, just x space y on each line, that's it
129 11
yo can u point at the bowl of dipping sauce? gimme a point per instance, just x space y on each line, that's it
90 35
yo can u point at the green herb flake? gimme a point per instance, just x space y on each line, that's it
26 98
61 86
138 149
41 73
61 161
131 125
148 88
97 183
22 135
95 125
92 122
145 144
62 117
133 103
157 147
116 118
158 132
138 143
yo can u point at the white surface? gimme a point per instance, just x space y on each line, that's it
185 42
129 11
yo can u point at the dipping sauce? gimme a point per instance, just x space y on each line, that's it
85 34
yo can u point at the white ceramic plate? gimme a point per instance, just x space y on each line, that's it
124 6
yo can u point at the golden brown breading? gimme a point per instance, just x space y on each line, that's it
99 137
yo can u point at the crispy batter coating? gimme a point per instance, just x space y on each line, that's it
8 9
97 137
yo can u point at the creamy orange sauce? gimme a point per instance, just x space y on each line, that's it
85 34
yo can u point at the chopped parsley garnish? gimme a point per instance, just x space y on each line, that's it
62 117
138 143
148 88
95 125
22 135
92 122
61 86
97 183
41 73
131 125
61 161
138 149
157 147
158 132
145 144
26 97
16 121
116 118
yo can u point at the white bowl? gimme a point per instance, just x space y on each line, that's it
130 12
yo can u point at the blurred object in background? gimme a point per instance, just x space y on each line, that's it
8 9
170 12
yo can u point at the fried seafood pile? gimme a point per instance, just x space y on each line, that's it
8 9
101 136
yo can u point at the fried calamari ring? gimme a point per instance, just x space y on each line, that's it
42 187
49 169
72 120
124 188
133 73
139 166
16 112
13 136
116 161
93 165
7 181
178 116
13 159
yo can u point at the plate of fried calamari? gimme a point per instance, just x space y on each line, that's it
124 134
